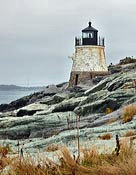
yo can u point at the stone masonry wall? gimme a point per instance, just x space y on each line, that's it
89 58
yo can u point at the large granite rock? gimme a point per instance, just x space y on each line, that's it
114 82
31 109
101 85
93 97
55 99
121 81
99 106
35 126
68 105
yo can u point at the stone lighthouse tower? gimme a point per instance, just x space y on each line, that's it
89 58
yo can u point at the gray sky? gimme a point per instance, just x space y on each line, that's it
37 36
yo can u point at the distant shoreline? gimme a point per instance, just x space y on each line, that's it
19 88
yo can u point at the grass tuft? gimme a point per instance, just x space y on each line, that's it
108 111
52 148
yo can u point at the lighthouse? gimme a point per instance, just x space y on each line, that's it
89 58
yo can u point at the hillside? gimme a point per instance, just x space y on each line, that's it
49 117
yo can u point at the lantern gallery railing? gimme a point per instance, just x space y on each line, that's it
79 41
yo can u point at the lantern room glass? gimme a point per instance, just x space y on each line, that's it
88 34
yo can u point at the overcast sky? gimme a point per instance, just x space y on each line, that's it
37 36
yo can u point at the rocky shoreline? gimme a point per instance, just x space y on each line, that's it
49 117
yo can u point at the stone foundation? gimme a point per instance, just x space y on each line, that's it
77 77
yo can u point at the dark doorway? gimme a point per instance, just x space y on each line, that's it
76 79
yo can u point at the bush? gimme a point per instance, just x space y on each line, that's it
128 113
106 136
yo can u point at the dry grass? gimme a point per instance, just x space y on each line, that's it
130 133
106 136
128 113
92 163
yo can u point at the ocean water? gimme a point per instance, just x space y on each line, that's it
9 96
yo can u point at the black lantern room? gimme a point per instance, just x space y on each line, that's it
89 35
